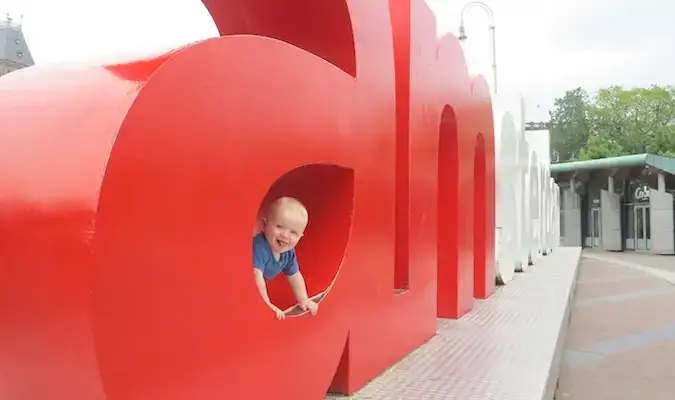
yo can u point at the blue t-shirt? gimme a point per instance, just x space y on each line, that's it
263 259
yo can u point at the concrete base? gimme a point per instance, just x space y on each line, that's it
508 347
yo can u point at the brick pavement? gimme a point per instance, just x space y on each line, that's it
506 348
665 263
621 338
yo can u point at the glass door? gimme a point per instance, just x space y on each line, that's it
596 228
642 228
630 227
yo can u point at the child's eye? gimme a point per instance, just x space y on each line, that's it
279 226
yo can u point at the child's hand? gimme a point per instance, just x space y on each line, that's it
280 314
309 305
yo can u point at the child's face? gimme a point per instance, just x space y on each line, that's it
283 228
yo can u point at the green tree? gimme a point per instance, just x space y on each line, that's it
638 120
615 121
569 125
599 147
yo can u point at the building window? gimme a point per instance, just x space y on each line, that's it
17 41
596 222
648 223
19 54
630 222
640 224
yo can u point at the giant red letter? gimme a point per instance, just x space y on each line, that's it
127 216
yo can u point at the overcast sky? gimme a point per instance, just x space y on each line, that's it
544 47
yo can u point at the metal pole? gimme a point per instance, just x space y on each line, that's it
493 45
494 56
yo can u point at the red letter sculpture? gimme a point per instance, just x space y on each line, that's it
129 193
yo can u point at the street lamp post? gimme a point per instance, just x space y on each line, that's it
462 34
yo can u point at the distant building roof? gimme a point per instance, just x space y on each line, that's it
661 163
13 45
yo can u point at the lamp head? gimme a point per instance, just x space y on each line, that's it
462 33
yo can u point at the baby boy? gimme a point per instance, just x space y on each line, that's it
274 251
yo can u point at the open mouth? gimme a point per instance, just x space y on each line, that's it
281 243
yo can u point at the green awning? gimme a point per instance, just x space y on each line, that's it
661 163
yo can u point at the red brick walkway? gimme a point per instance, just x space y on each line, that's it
621 338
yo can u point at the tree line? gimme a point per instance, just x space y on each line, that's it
613 121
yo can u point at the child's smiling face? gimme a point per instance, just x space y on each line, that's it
285 225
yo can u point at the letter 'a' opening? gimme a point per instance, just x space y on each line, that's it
323 28
327 191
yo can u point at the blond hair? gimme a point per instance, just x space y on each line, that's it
286 202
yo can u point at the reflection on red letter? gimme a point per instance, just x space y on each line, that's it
59 126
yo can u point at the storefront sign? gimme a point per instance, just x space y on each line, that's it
641 193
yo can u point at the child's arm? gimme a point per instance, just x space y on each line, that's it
297 282
298 286
262 286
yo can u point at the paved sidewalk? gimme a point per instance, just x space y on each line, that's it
504 349
664 263
621 338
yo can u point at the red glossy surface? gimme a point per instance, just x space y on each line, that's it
128 194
